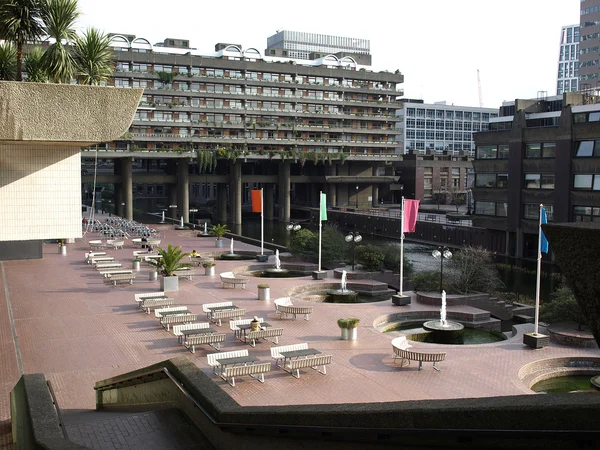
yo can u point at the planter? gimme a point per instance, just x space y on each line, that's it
262 258
209 271
264 293
153 275
536 340
349 334
62 249
401 300
135 265
319 275
219 243
169 284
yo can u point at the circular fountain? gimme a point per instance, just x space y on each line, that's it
232 256
445 331
277 271
342 295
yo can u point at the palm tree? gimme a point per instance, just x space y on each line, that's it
170 260
8 61
219 231
60 17
20 22
93 56
33 66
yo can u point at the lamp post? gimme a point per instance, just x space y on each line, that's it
442 253
293 226
355 238
193 211
469 193
357 196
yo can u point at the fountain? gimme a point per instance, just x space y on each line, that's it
181 222
205 228
343 294
233 256
277 271
231 247
445 331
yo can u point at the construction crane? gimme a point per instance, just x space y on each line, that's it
479 88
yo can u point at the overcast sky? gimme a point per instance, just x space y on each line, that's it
437 44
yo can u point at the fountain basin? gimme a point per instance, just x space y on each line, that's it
566 384
278 273
237 256
445 333
341 296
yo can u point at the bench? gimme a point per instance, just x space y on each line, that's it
109 265
233 324
213 358
97 244
152 303
431 217
99 260
90 255
106 272
139 298
177 329
251 370
313 363
115 244
217 316
276 351
229 279
284 306
158 312
409 356
184 274
253 336
214 340
119 277
206 307
167 321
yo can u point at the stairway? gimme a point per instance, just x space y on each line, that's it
149 430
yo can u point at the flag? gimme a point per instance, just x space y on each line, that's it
543 241
256 200
411 211
323 206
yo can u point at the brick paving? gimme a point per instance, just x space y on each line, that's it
77 330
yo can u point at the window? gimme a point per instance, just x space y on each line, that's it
501 209
502 180
586 214
485 208
540 150
487 152
486 180
502 151
532 211
533 151
587 149
587 182
532 180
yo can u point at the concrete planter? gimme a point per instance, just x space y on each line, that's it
168 284
62 249
262 258
264 293
153 275
319 275
349 334
219 243
135 265
401 300
536 340
209 271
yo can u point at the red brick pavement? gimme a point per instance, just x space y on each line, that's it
76 330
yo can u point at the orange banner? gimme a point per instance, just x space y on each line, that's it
256 200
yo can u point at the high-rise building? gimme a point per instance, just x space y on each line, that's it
589 46
568 60
300 45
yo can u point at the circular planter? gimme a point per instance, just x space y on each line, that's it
349 334
153 276
63 250
135 265
264 293
209 271
219 243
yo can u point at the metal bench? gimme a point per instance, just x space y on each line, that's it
233 324
152 303
408 355
214 340
167 321
217 316
284 306
213 358
251 370
158 313
185 274
119 277
313 363
253 336
276 351
139 298
206 307
177 329
229 279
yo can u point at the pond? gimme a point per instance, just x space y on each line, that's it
470 336
561 385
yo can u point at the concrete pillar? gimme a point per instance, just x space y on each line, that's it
519 243
119 210
314 194
127 183
235 192
221 203
268 201
172 213
331 188
507 249
375 189
183 190
284 192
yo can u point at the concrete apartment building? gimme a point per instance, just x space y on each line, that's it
589 45
293 127
568 60
537 151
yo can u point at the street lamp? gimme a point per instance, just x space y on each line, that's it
442 253
355 238
293 226
357 196
193 211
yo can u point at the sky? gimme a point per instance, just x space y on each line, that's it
438 45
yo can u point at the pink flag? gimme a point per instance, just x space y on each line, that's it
411 211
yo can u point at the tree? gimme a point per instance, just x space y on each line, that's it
563 307
8 61
472 269
455 197
60 17
170 260
21 21
93 55
33 66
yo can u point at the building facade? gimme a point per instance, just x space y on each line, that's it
537 152
589 46
568 60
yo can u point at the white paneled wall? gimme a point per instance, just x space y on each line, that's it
40 192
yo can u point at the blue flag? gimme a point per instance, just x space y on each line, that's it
544 241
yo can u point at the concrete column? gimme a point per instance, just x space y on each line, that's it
235 192
172 212
119 210
314 194
183 190
268 201
330 188
127 182
507 249
221 203
519 243
375 188
284 192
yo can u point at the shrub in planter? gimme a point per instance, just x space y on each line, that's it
348 327
206 264
264 292
263 286
391 260
170 260
370 257
219 231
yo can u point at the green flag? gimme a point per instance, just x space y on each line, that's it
323 206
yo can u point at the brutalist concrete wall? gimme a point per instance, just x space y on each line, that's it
17 250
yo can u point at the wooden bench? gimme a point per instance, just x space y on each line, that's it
253 336
109 265
119 277
217 316
214 340
139 298
100 260
229 279
276 351
213 358
410 355
116 271
284 306
184 274
167 321
177 329
206 307
90 255
313 363
251 370
158 313
115 243
152 303
233 324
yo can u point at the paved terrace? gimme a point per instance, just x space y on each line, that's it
59 318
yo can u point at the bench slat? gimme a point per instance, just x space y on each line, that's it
295 365
251 370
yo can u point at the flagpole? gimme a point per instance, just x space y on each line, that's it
262 223
320 224
401 248
538 274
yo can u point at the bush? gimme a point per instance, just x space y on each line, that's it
562 307
472 269
370 257
351 322
303 243
428 282
392 259
334 248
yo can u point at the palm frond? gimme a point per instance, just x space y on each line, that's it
93 56
8 61
33 66
60 17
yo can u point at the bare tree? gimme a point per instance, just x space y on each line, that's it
472 269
